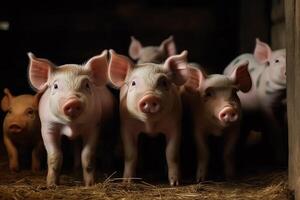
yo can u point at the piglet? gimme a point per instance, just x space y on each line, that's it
215 109
75 103
152 54
268 93
149 103
268 73
21 129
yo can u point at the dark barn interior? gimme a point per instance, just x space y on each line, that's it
213 31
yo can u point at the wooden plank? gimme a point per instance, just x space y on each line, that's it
290 17
292 10
278 36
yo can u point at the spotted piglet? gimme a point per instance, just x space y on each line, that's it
216 110
267 95
268 73
149 103
21 129
75 103
152 54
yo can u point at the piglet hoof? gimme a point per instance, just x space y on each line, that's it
174 182
200 177
14 167
229 174
36 167
89 182
173 178
52 182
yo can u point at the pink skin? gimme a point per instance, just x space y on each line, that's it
149 103
216 110
268 73
74 101
21 128
152 54
267 66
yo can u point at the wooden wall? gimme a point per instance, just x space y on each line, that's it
292 14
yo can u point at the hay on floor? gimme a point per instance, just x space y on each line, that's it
25 185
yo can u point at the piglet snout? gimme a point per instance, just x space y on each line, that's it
149 104
228 114
73 108
15 128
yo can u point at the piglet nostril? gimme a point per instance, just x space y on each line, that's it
233 116
223 115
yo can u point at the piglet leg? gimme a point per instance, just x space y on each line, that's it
130 143
12 154
52 142
229 153
36 156
202 157
88 157
172 156
76 155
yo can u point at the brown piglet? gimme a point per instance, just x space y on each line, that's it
21 128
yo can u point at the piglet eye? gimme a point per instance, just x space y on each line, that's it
133 83
276 61
209 93
29 112
55 86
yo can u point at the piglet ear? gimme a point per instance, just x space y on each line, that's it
177 65
97 65
6 100
135 48
118 68
39 71
262 51
241 77
168 45
195 79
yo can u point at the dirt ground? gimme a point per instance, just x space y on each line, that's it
26 185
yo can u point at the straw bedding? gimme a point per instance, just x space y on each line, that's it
26 185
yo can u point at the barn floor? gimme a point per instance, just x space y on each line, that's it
26 185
